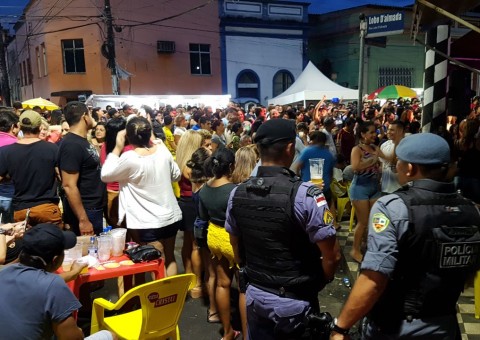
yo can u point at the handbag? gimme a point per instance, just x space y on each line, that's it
143 253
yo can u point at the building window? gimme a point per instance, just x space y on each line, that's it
73 56
200 59
22 74
44 53
395 76
29 75
281 82
39 64
248 85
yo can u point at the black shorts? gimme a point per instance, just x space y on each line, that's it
187 206
154 234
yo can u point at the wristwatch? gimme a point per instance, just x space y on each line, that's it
335 328
3 231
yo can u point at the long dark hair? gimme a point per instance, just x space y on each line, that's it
113 126
196 163
220 163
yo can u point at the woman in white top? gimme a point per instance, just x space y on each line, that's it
146 198
180 128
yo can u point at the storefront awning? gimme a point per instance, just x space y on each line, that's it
71 93
430 13
467 49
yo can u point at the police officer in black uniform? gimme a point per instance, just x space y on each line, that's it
423 243
282 233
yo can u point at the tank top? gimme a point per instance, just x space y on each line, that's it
372 170
185 187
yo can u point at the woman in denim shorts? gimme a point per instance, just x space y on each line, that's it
364 189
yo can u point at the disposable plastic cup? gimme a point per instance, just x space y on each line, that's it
76 252
85 242
104 247
67 264
316 170
118 241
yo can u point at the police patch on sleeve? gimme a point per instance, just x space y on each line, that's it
317 195
327 217
313 191
380 222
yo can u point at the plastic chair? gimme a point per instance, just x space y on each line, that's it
476 294
342 203
338 189
161 305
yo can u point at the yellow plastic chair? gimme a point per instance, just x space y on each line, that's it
342 203
161 305
352 219
338 189
476 294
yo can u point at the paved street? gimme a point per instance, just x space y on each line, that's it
193 322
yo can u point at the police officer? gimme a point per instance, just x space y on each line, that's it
423 242
282 233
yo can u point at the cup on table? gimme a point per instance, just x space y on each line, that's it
67 264
104 247
316 170
76 252
118 241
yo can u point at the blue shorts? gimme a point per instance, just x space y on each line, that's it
364 188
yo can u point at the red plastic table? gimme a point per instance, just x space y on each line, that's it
156 266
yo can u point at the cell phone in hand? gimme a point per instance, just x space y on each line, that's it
27 217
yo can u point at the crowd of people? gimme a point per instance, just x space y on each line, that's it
234 181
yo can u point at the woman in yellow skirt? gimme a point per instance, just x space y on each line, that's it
213 205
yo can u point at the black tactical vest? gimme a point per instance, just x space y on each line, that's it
435 256
278 252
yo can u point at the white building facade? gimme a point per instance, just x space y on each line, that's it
263 47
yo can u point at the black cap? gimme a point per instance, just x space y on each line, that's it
275 130
112 111
47 241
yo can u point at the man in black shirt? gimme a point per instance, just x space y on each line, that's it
80 171
31 163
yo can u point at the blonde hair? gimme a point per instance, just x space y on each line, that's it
191 140
245 161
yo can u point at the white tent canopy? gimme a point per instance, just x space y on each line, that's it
312 85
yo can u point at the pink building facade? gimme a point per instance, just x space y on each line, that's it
171 47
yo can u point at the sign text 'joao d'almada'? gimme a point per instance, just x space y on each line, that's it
379 25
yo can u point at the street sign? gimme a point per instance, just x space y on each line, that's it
380 25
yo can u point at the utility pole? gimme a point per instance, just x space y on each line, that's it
5 87
110 44
361 63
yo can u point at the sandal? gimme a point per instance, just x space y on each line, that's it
196 292
213 317
237 335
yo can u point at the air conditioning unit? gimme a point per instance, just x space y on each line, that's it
165 46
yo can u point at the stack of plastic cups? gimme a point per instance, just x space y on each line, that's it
118 238
104 247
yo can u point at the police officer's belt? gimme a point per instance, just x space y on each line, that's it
297 294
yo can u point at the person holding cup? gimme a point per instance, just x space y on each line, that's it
315 164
